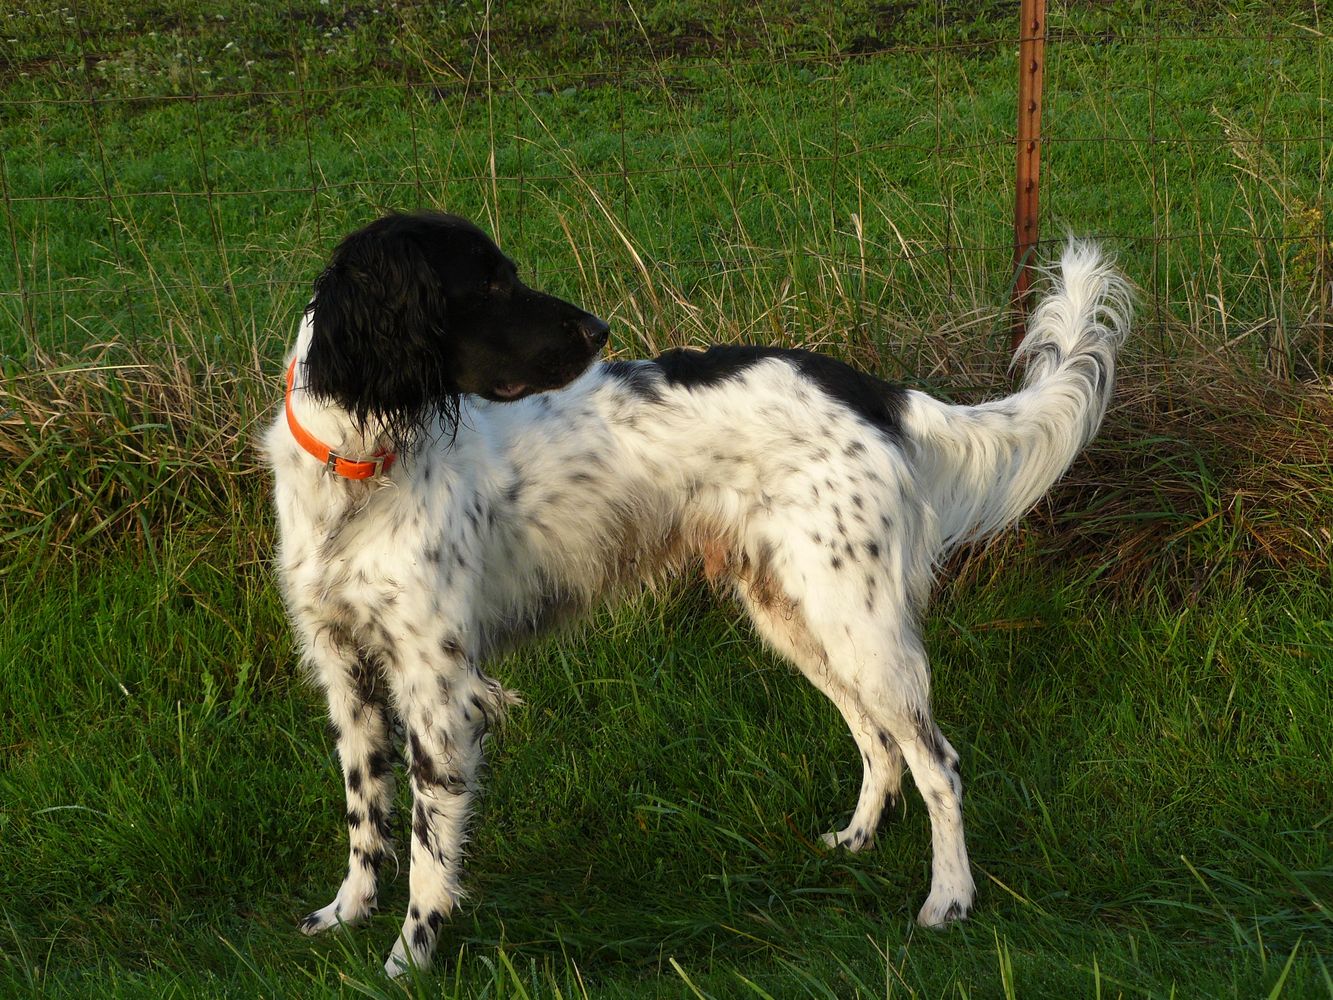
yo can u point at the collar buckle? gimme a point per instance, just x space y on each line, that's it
376 465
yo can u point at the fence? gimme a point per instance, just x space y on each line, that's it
824 173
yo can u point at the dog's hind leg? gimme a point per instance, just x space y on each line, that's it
878 676
358 719
780 625
881 778
894 688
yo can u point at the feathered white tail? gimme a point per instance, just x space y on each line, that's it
983 467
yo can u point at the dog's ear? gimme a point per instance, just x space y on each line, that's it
380 345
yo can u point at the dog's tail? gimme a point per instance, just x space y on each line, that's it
983 467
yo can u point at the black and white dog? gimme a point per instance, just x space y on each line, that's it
455 474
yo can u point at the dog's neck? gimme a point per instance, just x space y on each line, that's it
325 420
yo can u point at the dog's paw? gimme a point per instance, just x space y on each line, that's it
336 914
400 962
944 908
321 919
850 839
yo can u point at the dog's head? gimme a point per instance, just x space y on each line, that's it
416 309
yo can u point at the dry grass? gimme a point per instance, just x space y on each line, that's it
114 445
1204 449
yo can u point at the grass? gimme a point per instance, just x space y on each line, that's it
1138 678
1148 797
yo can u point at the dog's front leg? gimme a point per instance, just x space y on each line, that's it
446 705
358 718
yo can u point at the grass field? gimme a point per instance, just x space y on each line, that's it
1138 678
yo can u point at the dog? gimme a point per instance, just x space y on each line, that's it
456 472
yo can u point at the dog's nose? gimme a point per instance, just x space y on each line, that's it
594 331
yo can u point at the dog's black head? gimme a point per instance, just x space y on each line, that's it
414 310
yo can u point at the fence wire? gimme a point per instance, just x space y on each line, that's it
780 170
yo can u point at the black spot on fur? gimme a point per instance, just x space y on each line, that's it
420 822
375 814
422 767
426 774
929 735
434 919
421 938
369 860
354 819
379 764
354 779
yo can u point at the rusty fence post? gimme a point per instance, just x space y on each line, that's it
1031 63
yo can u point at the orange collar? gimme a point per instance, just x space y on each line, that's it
335 463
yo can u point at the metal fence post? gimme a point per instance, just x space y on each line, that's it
1031 63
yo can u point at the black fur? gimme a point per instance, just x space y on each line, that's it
416 309
878 402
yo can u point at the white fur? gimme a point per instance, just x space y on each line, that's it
827 530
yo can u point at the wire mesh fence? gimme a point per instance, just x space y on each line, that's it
821 173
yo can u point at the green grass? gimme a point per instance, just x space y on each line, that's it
1147 801
871 182
1138 680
